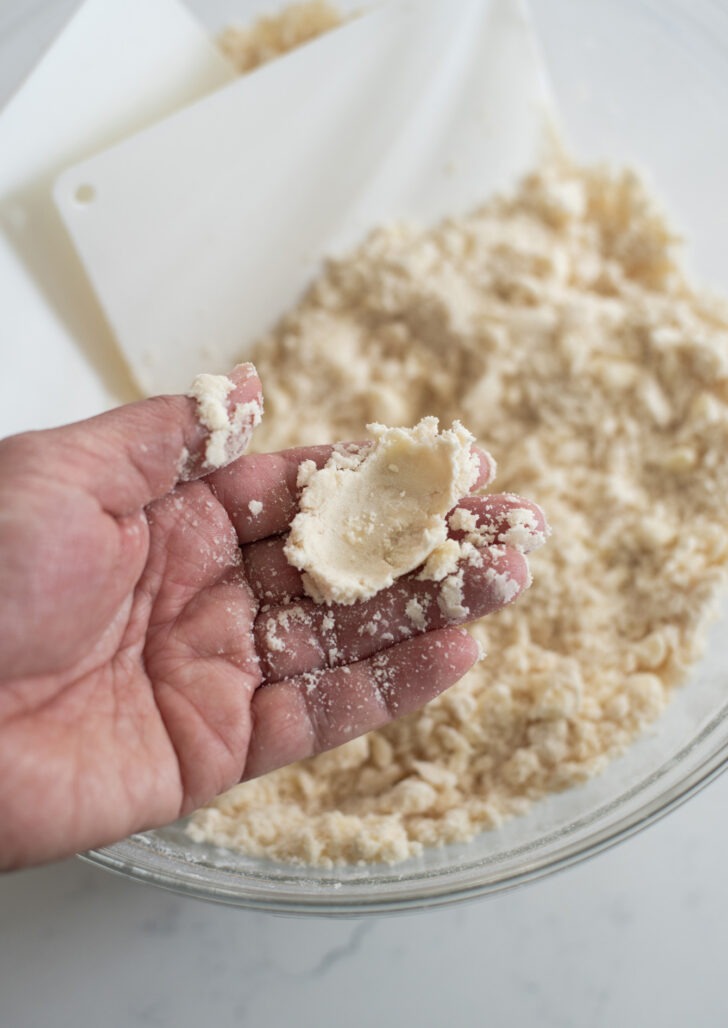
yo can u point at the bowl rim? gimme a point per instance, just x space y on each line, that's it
423 890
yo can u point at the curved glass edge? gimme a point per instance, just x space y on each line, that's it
413 893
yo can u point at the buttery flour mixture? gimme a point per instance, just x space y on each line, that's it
272 35
556 324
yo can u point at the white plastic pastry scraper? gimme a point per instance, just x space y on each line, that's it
116 68
198 232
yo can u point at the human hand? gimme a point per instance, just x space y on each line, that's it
156 646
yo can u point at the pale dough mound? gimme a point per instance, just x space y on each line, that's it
368 517
558 325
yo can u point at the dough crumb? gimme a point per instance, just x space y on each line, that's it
370 515
255 507
272 35
416 613
305 470
442 561
523 532
463 520
450 599
272 639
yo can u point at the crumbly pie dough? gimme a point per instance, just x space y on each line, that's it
558 324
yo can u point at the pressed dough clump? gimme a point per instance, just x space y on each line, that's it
556 323
369 516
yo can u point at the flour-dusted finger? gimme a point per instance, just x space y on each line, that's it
501 519
309 713
260 492
293 638
134 454
269 574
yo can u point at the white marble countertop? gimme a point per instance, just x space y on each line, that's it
636 937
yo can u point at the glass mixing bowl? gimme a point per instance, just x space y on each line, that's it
685 750
644 83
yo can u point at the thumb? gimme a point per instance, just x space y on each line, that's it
139 452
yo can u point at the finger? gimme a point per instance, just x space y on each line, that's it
137 453
298 637
502 519
270 576
487 468
261 494
310 713
499 517
193 547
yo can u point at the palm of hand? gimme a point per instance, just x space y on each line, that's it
140 636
